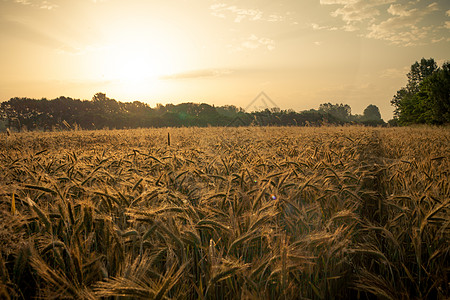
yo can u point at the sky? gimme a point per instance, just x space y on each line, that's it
225 52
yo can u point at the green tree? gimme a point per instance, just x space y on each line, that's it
371 113
425 99
420 71
432 101
342 112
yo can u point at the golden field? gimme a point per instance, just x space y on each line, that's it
226 213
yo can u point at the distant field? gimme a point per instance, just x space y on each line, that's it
226 213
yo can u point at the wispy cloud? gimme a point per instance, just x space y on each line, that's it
38 4
47 5
402 28
447 23
316 26
24 2
397 23
196 74
343 2
254 42
239 14
400 10
355 12
393 72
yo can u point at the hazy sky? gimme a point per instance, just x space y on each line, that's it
301 53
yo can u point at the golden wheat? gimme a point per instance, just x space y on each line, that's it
226 213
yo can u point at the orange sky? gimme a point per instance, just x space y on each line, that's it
301 53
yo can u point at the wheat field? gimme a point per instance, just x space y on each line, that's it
226 213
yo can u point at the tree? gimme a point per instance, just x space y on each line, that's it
425 99
433 98
341 111
420 71
371 113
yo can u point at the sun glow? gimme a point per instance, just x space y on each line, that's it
134 64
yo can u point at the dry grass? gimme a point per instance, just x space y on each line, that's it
226 213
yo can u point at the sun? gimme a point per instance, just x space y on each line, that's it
136 65
136 69
138 55
133 62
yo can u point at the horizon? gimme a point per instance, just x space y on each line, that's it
258 104
220 53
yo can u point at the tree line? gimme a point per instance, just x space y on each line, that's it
424 100
102 112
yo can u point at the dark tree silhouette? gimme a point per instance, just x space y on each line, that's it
65 113
371 113
342 112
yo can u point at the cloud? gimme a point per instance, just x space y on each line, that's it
275 18
24 2
38 4
47 5
239 14
196 74
400 10
447 23
358 11
394 72
403 28
400 23
355 12
316 26
331 2
254 42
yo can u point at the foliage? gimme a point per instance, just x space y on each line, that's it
225 213
341 111
426 97
102 112
371 113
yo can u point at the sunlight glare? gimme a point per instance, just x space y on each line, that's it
136 65
133 62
